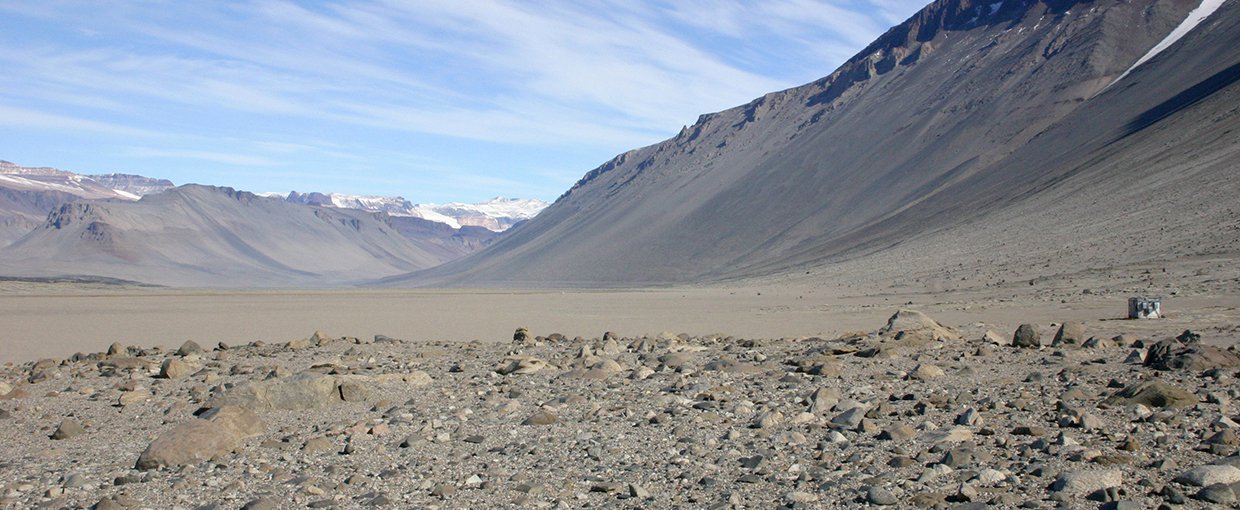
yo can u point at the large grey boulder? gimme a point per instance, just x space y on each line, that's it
1027 336
1205 476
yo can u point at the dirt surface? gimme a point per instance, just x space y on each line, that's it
57 320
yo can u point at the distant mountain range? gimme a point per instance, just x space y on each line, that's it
27 194
134 184
497 214
196 235
56 223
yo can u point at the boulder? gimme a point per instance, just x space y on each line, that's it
926 372
239 420
991 337
1027 336
1173 355
174 368
1205 476
1085 482
68 429
522 365
189 347
541 418
1070 333
915 325
1152 394
356 388
216 432
304 390
319 339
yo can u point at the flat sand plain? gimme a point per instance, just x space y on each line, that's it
57 320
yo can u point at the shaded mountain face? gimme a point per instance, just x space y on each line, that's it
21 211
947 125
209 236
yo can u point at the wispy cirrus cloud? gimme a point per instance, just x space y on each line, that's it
517 86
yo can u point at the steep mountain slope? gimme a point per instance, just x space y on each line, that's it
943 126
458 241
21 211
207 236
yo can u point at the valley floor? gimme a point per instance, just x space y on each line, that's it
741 412
45 320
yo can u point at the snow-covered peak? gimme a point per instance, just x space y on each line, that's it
17 177
134 185
497 214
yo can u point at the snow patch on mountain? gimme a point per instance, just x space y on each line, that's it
1193 19
22 178
135 186
497 214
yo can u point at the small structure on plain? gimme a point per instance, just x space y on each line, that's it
1144 307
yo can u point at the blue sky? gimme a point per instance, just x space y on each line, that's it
432 100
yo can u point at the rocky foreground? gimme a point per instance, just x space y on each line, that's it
914 414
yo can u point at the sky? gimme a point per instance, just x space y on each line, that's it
432 100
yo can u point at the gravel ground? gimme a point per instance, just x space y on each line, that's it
911 414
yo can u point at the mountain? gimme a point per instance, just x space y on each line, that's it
498 214
134 184
197 235
21 211
22 178
1013 137
27 194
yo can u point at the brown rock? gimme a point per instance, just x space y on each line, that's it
1172 355
915 325
68 429
173 368
305 390
541 418
217 432
1070 333
1152 394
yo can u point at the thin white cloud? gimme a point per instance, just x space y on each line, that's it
18 117
201 155
604 74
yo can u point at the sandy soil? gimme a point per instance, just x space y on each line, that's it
53 320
